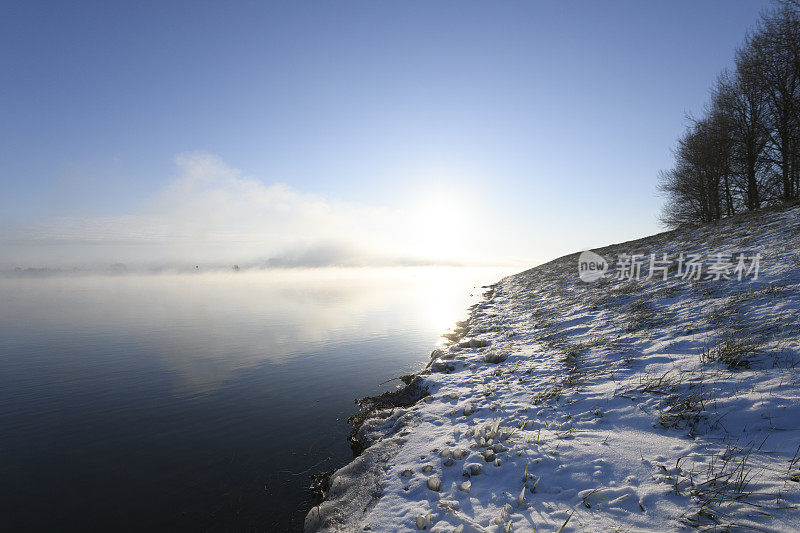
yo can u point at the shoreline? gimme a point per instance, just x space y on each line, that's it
380 408
370 407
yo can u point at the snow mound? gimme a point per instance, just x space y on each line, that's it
618 405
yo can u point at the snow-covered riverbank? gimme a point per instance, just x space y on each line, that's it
621 404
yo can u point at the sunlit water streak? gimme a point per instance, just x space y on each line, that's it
200 401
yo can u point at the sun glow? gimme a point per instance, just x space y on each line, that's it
438 224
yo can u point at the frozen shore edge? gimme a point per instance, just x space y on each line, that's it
376 436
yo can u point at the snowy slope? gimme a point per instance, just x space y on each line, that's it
618 405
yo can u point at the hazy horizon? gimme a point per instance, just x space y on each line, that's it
362 134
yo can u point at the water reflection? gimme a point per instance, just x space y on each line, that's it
205 326
200 400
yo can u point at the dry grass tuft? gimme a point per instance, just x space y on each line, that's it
732 351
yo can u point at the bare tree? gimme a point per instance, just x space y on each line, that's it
694 187
739 97
745 150
775 51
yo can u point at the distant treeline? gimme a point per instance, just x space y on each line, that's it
744 152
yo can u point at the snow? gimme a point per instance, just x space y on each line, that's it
618 405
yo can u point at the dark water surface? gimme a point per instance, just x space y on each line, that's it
199 402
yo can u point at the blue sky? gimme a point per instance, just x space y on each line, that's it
530 129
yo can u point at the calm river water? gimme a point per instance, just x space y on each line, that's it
200 401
